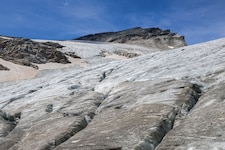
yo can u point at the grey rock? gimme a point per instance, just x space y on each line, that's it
126 54
72 54
49 108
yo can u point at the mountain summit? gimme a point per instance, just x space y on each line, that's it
148 37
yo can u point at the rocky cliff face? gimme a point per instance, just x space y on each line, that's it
164 100
149 37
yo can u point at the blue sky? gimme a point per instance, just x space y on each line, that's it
197 20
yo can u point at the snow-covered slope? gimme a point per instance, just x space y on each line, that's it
92 53
120 104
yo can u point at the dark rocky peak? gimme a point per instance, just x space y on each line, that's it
148 37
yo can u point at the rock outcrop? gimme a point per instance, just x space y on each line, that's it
149 37
26 52
159 100
3 67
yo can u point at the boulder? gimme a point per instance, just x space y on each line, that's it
3 67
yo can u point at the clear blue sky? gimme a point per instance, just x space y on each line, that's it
197 20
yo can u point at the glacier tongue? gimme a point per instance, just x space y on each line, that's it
160 100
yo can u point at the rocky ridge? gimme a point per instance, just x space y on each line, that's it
158 100
148 37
